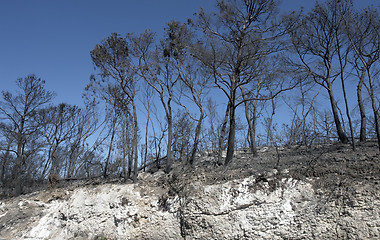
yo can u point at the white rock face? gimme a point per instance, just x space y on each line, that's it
106 211
247 208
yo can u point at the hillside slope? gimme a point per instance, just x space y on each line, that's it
321 192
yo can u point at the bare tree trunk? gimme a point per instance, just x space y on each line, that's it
341 135
211 132
134 142
131 149
110 147
222 135
348 114
146 138
344 93
251 123
374 107
4 161
269 129
363 117
231 137
48 162
169 160
124 164
252 135
196 138
253 144
19 165
130 163
231 134
17 173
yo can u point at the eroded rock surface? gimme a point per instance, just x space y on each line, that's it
315 200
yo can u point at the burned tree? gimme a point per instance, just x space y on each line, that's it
230 42
362 30
20 115
155 66
314 43
112 58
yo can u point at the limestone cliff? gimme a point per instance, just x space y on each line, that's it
322 194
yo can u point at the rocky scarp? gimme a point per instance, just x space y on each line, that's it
319 193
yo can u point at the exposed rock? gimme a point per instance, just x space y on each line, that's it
338 199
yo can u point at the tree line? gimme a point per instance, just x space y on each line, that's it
152 100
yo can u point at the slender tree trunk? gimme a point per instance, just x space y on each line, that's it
211 132
196 138
363 117
110 147
17 173
19 165
131 149
130 162
146 136
4 161
124 163
48 161
169 118
3 166
269 129
341 135
222 135
253 144
251 124
169 160
54 163
231 134
374 107
345 95
348 114
251 135
134 142
74 154
302 124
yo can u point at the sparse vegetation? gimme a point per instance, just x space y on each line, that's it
213 85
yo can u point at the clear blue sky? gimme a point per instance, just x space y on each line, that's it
53 39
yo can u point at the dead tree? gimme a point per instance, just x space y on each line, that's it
314 43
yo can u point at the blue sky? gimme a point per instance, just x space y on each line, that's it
53 39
